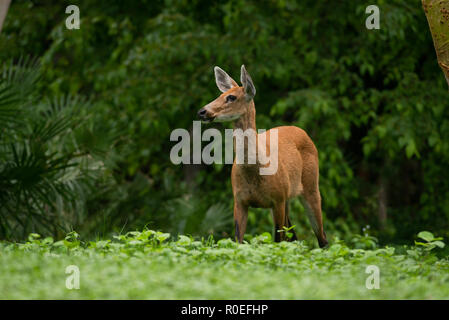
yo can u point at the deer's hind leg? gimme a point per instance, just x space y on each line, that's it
311 198
281 220
289 223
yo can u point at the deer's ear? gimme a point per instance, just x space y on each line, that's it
223 80
247 82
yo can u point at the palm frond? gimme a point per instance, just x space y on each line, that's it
23 74
17 82
44 172
9 107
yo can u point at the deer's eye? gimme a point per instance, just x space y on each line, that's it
230 98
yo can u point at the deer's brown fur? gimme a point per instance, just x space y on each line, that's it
297 172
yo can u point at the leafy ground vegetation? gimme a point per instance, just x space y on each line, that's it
85 123
85 130
152 265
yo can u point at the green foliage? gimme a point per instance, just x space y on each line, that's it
373 101
364 242
150 264
287 231
430 241
45 168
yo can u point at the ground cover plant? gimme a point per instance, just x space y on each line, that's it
373 101
86 117
154 265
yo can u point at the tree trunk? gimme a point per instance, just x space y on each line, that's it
437 13
4 5
382 203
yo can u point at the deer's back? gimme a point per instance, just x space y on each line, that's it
294 135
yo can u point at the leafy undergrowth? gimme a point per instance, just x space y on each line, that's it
151 265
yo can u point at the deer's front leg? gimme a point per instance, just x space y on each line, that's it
240 219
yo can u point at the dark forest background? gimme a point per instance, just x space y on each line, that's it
86 115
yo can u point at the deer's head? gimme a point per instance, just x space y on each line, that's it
233 102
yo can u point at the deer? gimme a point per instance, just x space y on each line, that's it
297 173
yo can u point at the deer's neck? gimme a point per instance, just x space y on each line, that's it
248 122
248 119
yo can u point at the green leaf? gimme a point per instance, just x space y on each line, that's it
184 240
33 236
426 235
439 244
410 150
161 237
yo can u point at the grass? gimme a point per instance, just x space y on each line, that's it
151 265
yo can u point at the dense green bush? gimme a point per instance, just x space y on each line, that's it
374 102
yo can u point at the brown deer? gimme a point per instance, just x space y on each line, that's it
297 168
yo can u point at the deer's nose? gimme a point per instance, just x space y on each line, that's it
202 112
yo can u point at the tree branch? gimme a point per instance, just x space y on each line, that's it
4 5
437 13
